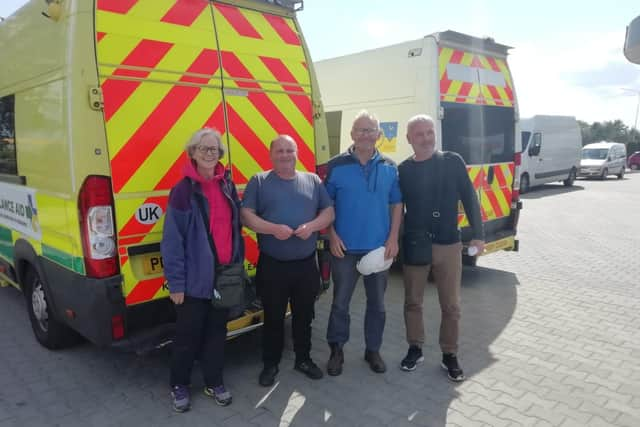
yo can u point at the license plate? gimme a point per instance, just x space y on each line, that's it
152 264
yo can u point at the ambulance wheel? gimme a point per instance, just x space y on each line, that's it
49 332
570 179
524 184
469 261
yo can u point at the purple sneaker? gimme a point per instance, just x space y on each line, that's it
220 394
181 399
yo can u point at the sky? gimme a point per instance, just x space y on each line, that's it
566 59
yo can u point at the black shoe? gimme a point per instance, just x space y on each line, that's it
309 368
336 360
413 357
268 375
450 364
375 361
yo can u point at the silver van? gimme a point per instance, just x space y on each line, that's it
604 158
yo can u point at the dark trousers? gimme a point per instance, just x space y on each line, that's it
201 332
345 276
278 283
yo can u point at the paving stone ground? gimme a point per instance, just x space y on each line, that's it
550 337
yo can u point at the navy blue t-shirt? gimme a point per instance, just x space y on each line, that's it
286 201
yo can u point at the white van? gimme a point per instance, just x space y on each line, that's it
465 84
603 158
550 150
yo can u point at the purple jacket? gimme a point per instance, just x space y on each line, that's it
188 259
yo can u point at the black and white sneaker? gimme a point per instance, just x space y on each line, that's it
450 364
413 357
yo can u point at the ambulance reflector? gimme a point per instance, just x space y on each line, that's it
117 327
97 227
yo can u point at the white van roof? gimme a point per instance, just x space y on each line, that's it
602 144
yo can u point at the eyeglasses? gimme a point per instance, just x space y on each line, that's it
207 150
365 131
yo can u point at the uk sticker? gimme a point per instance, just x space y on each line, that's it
149 213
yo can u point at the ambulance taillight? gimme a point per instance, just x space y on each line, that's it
97 228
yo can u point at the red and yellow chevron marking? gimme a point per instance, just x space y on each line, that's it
495 198
473 92
263 66
161 72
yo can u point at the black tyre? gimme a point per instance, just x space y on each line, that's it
570 179
621 174
49 331
604 174
524 184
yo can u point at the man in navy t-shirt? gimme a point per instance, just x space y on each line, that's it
286 208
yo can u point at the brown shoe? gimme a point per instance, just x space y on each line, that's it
336 360
375 361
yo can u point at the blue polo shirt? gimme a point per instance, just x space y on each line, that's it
362 196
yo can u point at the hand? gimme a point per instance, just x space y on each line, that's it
336 246
177 298
391 248
479 245
303 231
282 232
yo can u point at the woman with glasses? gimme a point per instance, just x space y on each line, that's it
203 206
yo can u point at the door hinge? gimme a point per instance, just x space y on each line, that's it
96 101
317 110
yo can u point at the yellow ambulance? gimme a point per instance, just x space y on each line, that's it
97 99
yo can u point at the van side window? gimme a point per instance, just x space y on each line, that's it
526 135
536 143
8 163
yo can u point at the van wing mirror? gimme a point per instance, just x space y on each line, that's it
534 150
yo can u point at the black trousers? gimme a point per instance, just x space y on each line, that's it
278 283
201 332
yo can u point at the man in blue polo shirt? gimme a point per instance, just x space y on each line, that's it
364 186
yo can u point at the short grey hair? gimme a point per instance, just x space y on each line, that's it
420 118
367 115
196 138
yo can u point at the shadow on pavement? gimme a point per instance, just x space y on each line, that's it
548 190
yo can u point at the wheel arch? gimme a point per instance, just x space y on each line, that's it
26 258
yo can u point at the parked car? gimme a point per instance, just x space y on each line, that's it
633 162
603 158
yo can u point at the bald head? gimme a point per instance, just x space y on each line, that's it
285 140
284 155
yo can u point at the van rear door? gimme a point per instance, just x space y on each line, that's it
267 90
170 68
160 77
477 102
